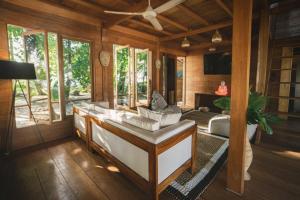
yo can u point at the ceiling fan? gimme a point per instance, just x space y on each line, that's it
150 13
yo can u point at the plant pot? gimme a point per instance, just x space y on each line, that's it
248 151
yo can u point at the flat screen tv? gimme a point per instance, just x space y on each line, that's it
217 63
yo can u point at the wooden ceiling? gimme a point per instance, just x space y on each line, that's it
197 19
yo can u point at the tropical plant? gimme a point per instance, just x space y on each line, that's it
256 111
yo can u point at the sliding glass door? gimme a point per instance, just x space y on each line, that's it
131 76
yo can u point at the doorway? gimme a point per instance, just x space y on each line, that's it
174 79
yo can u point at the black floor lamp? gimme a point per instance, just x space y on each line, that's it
11 70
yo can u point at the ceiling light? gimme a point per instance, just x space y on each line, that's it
185 43
217 37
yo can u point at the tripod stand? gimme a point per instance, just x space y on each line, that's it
9 135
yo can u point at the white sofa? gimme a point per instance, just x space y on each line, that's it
81 111
220 125
150 158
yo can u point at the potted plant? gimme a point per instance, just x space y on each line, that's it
256 116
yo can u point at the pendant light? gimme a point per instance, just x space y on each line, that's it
212 49
185 43
217 37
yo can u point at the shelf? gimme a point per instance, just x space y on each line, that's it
283 97
289 114
284 69
291 83
283 57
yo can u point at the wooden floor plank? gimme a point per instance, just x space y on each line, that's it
81 184
68 170
97 169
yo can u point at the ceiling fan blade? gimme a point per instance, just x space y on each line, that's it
155 23
168 5
123 13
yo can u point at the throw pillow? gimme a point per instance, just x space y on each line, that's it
158 102
141 122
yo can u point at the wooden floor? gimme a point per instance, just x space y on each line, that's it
66 170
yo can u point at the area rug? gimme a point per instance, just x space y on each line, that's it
211 156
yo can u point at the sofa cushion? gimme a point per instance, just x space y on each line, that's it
144 112
169 119
164 118
141 122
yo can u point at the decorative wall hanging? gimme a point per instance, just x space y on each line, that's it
104 56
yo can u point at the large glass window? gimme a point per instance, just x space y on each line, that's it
35 53
17 53
77 72
43 94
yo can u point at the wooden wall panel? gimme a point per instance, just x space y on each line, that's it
196 81
29 136
5 88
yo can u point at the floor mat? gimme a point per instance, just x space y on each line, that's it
210 157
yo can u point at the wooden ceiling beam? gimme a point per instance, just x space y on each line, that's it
55 10
198 31
173 23
192 14
204 45
135 33
224 7
89 5
143 24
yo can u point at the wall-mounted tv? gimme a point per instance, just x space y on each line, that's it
217 63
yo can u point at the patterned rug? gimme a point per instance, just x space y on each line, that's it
211 155
201 118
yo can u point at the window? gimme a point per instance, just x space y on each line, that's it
77 73
43 94
131 76
141 74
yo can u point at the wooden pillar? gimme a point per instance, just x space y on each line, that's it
241 48
61 82
263 49
6 90
158 77
262 56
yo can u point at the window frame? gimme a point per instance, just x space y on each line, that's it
61 69
62 102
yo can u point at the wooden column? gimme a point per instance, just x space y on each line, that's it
62 104
263 49
158 77
6 90
241 48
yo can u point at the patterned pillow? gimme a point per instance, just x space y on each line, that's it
158 102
